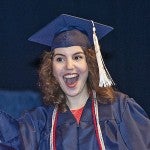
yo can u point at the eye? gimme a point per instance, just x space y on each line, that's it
78 57
59 59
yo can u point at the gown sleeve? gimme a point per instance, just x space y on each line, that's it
31 126
24 133
134 124
5 147
9 132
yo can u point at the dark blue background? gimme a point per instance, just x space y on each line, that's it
126 49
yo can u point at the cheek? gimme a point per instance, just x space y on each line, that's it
56 71
86 72
84 67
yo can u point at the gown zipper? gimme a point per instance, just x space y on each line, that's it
78 135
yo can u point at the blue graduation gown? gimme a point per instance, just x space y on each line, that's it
124 125
5 147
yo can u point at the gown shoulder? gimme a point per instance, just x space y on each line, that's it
133 122
31 124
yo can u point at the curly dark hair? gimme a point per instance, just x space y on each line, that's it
53 94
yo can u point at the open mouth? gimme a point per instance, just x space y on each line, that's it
71 79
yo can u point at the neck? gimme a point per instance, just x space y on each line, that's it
78 101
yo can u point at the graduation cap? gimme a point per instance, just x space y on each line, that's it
67 30
46 35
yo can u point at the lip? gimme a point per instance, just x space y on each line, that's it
71 79
70 75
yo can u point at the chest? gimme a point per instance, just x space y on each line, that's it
76 137
73 136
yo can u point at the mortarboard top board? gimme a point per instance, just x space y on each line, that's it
46 35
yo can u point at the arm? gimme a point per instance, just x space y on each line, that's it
134 124
4 147
9 132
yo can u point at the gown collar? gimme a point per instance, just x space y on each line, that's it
105 113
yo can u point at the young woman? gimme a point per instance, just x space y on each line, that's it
82 111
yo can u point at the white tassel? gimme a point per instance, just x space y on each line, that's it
105 79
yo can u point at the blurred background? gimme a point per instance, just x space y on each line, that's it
126 49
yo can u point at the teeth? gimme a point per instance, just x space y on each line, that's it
70 76
71 79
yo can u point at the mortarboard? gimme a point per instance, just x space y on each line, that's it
76 32
46 35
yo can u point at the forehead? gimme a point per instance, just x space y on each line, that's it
68 50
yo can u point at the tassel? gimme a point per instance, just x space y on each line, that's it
105 79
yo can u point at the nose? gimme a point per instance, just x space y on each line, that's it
69 64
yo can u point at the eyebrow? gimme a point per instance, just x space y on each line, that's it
58 54
64 55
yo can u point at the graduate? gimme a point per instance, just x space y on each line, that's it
81 109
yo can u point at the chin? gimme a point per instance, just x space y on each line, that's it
72 93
